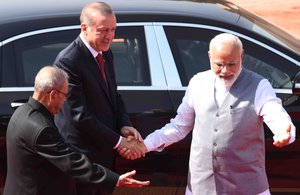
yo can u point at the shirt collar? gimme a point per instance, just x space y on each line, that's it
92 50
36 105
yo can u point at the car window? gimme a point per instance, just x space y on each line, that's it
192 57
130 57
25 56
277 78
190 47
270 65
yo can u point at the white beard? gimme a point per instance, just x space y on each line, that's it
225 82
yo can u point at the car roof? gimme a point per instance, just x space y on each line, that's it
18 15
11 10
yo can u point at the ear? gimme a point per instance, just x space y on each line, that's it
242 55
83 28
52 96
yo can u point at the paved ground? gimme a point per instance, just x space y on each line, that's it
283 13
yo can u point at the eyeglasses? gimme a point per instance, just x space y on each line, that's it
65 94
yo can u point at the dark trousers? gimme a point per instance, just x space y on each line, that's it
86 189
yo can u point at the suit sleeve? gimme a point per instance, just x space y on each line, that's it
50 145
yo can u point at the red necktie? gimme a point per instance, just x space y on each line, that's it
100 60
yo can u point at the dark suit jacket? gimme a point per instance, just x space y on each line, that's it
39 159
93 114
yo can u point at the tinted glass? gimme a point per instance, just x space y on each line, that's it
27 55
32 53
190 47
130 57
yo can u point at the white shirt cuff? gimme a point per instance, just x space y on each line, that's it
116 146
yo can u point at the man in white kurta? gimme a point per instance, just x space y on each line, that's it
226 107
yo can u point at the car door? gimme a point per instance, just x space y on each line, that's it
142 86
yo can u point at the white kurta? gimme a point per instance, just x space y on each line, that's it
266 104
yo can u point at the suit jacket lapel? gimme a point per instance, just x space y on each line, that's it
94 69
109 82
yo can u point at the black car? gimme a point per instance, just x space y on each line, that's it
159 46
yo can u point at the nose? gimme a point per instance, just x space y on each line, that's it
110 34
224 69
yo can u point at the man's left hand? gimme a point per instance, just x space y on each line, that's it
130 131
282 139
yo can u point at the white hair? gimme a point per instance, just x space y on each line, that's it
225 38
49 78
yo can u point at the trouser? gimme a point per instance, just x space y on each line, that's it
86 189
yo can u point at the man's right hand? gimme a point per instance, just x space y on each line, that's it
126 180
131 148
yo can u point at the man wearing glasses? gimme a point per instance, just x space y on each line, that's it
39 160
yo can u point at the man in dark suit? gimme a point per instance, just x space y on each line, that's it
94 119
39 161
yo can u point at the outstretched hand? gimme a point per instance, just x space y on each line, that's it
282 139
126 180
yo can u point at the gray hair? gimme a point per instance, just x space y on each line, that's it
50 78
87 12
226 38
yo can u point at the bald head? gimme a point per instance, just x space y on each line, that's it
225 40
51 88
49 78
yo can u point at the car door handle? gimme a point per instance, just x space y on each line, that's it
158 112
290 100
15 105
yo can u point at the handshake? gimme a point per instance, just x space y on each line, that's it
132 145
